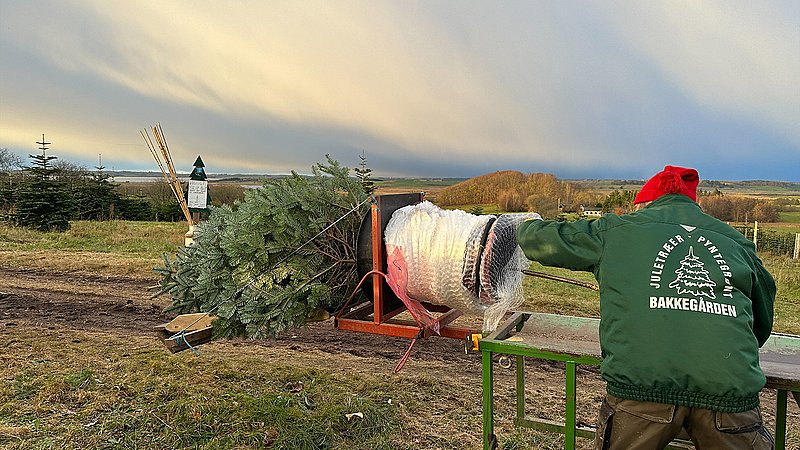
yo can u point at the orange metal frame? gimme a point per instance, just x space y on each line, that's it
378 316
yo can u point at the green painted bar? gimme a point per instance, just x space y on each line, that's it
521 349
520 386
569 434
488 402
780 420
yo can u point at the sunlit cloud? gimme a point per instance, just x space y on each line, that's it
462 88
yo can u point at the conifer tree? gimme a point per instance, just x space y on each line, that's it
43 201
264 267
96 197
364 173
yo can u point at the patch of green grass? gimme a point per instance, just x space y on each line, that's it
145 239
786 272
104 394
544 295
486 208
108 248
24 386
789 216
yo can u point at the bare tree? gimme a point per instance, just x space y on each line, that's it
9 162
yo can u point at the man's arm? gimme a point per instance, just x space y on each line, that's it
571 245
763 298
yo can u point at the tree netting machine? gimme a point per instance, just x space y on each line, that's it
436 265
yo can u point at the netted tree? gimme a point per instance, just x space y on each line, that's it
285 253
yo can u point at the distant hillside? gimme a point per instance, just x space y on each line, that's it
481 189
511 190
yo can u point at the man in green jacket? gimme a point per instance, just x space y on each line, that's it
685 304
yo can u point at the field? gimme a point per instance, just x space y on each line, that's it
82 368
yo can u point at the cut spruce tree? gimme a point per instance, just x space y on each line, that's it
275 260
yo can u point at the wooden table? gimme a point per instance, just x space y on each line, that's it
575 340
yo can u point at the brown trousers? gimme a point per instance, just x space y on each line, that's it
634 425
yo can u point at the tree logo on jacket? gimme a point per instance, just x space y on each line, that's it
692 277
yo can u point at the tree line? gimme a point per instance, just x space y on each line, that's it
733 208
48 193
514 191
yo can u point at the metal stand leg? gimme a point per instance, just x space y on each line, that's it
780 421
520 387
569 425
489 439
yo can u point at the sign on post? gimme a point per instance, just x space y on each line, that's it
197 194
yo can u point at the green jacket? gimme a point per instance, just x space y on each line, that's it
685 303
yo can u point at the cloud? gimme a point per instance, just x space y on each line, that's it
422 86
738 58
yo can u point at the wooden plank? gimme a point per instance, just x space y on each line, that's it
187 322
177 343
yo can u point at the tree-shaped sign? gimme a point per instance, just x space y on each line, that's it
693 277
197 195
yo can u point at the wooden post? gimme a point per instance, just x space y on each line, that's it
755 234
796 246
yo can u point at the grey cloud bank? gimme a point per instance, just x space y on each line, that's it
442 88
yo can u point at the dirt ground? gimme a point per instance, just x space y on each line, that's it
43 298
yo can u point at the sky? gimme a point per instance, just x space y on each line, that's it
434 88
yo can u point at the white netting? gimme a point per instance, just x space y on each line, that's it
450 257
432 244
501 268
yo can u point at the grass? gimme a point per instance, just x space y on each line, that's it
786 272
100 391
789 217
110 248
486 208
71 389
145 239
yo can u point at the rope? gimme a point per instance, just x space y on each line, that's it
181 336
548 276
405 357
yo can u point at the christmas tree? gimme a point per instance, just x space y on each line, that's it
278 258
692 277
43 202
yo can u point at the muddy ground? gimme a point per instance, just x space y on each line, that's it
122 305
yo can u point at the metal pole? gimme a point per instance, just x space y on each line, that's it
520 387
548 276
780 420
488 406
569 425
796 246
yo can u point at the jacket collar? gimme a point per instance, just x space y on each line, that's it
671 199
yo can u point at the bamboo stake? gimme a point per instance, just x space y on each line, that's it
162 142
152 149
167 168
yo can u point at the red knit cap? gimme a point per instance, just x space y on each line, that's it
672 180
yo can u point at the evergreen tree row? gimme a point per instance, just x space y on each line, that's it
48 194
